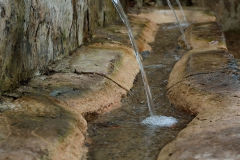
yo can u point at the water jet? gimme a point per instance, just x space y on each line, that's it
179 23
124 18
180 6
153 120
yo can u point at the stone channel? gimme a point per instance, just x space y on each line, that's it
120 134
63 111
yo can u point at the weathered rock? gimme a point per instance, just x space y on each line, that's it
39 128
112 61
146 32
227 12
47 122
205 82
213 134
84 93
201 78
198 62
101 13
208 88
204 36
143 30
214 97
160 16
34 33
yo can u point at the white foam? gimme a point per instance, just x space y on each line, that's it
176 26
161 121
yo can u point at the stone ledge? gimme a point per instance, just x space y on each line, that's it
204 36
197 62
39 128
163 15
112 61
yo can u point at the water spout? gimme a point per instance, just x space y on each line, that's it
179 23
124 18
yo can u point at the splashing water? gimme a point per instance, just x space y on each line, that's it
161 121
180 6
179 23
154 120
123 16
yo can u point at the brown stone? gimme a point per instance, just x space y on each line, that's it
213 134
83 93
164 15
36 33
115 62
206 36
226 11
40 128
198 62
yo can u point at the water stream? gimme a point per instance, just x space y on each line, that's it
180 6
124 18
153 119
179 23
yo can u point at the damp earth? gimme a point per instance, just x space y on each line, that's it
120 133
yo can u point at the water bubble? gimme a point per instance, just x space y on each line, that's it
161 121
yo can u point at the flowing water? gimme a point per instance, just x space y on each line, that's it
126 133
180 6
179 23
119 134
153 119
124 18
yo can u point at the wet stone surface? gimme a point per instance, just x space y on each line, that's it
120 134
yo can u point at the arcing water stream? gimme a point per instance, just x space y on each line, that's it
153 120
179 23
180 6
124 18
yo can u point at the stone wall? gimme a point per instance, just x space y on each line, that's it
35 33
227 12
